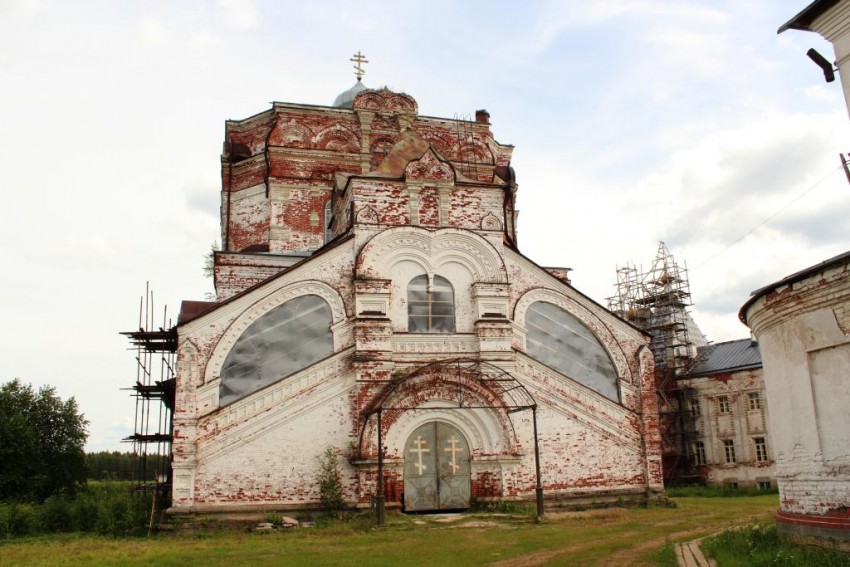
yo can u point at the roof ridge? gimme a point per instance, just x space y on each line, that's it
730 341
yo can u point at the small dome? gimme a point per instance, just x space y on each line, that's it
346 98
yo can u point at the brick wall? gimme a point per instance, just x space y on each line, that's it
416 198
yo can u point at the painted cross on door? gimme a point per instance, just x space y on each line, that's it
436 469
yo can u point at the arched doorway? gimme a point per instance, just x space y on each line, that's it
463 383
436 469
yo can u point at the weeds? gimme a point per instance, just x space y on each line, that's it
504 507
761 545
666 556
274 519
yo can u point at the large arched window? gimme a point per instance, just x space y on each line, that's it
430 305
285 340
559 340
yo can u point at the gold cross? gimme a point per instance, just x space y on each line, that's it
359 59
453 449
419 447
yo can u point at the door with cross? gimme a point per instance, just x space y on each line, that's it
436 469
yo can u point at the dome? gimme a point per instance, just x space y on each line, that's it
346 98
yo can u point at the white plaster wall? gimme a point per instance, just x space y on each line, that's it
805 353
262 450
280 463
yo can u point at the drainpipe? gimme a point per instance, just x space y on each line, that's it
379 497
539 489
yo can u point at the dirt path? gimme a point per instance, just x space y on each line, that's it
631 556
536 558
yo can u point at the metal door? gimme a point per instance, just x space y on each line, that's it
436 469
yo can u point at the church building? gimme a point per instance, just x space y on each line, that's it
371 298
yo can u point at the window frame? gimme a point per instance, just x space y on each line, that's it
434 285
729 451
754 400
328 214
699 454
760 444
723 405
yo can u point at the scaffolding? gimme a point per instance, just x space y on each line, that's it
656 301
154 393
465 140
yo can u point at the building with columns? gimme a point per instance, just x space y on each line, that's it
371 298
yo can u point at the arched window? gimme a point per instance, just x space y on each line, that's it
285 340
559 340
430 306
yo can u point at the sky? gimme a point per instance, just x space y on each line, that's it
635 121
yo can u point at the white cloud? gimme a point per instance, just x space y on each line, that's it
561 17
824 93
240 15
152 32
26 8
203 41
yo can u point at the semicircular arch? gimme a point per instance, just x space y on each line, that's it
585 316
264 305
474 396
432 250
483 429
475 149
337 138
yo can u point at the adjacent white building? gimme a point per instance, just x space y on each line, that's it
802 323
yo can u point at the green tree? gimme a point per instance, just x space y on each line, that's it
41 443
330 481
116 465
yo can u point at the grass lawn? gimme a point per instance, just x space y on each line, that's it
613 537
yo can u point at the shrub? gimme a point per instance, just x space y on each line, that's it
84 510
330 481
107 508
54 515
123 513
17 519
